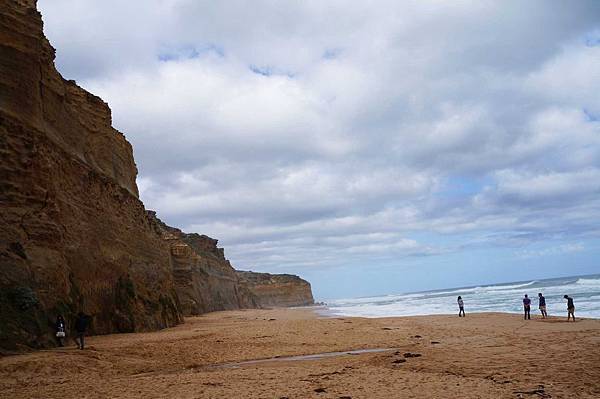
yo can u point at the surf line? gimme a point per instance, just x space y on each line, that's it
299 358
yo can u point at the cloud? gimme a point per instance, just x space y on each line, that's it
321 134
558 250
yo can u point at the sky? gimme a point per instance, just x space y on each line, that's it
370 147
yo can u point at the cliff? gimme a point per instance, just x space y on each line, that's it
205 281
277 289
74 235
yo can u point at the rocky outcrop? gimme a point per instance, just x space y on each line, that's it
74 235
277 289
204 279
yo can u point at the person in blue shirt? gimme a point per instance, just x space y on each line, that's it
527 307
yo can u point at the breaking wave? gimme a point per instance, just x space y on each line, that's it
489 298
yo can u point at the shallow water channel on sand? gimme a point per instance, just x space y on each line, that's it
298 358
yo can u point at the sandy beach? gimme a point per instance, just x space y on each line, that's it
481 356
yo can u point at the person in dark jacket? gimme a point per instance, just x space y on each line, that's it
461 306
542 305
61 330
570 307
527 308
81 325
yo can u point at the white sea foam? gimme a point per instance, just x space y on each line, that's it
490 298
588 281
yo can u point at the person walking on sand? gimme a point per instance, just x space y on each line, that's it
60 328
570 307
461 307
81 324
542 305
527 308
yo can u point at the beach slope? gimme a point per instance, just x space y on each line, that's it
481 356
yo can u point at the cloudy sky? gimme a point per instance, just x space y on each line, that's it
371 147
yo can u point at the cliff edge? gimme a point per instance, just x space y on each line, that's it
276 289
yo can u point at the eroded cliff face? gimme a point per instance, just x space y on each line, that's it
277 289
74 236
205 281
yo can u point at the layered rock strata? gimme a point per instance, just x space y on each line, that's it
74 236
276 289
204 279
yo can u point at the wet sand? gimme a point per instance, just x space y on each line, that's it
490 355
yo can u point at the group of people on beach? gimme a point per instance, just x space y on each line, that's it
527 307
81 324
82 320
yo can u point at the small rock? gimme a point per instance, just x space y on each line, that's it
397 361
408 354
320 390
417 336
435 342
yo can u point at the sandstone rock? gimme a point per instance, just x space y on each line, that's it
205 281
277 289
74 236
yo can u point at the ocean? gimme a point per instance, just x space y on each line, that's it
507 297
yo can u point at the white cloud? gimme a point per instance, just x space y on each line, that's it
572 77
558 250
323 133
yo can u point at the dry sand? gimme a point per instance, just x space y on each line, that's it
480 356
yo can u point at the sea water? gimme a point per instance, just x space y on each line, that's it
508 297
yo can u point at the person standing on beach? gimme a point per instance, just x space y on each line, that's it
527 307
461 307
60 328
570 308
542 305
81 324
